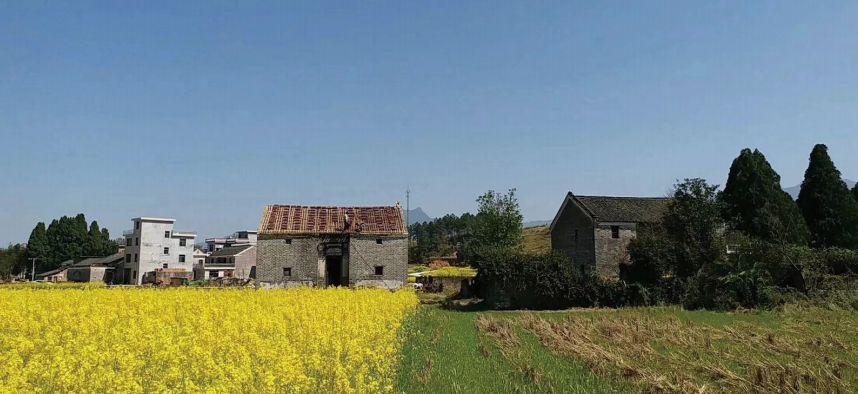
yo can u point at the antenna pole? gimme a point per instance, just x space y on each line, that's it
408 209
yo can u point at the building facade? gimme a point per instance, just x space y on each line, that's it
231 262
595 231
332 246
153 243
246 237
97 269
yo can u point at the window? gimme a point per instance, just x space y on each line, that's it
288 241
166 250
181 258
576 237
183 242
214 274
379 241
615 232
166 265
135 258
166 234
128 242
137 241
199 261
128 258
138 228
134 275
287 271
379 270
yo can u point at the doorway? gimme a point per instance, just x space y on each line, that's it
333 270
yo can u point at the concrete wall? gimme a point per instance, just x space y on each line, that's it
583 250
306 258
244 263
89 274
611 252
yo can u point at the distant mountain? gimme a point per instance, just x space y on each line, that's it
793 191
536 223
417 215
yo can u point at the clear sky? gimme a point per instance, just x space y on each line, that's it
205 111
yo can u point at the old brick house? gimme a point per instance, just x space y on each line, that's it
595 231
332 246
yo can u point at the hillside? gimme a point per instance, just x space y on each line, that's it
536 239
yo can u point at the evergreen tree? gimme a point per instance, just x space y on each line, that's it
110 246
37 245
53 248
80 232
95 246
855 192
829 210
754 203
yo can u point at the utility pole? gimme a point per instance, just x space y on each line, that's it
34 268
408 209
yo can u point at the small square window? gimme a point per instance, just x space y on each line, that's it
166 250
287 271
615 232
166 234
379 241
166 265
128 242
181 258
379 270
214 274
288 241
183 242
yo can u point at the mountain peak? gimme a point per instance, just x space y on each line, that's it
417 215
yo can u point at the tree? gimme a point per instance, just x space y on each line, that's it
110 246
855 192
693 224
829 210
754 203
95 245
497 224
37 245
13 259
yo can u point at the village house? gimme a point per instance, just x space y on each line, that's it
595 230
237 261
246 237
152 244
97 269
332 246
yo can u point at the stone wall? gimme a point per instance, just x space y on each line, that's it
305 257
611 252
580 249
90 274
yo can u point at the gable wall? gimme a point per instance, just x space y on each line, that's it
582 252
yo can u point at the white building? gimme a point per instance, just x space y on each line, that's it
247 237
154 244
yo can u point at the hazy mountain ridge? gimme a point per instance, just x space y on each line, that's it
794 190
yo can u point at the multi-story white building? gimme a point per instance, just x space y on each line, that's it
247 237
154 244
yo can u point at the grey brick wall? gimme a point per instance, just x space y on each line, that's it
365 253
307 261
582 252
610 252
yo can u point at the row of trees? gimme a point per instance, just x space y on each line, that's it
68 238
785 249
12 258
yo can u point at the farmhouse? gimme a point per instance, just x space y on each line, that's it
595 230
97 269
237 261
332 246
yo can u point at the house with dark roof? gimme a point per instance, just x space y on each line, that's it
332 246
97 269
237 261
595 230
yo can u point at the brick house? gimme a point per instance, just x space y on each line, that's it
595 230
332 246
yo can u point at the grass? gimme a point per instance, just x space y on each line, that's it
794 350
453 272
536 239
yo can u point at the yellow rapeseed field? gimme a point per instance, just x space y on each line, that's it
99 340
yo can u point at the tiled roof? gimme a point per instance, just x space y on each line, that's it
298 220
624 209
231 251
52 272
100 260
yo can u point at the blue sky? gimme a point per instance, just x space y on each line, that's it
205 111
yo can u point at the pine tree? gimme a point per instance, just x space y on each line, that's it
53 245
855 192
755 204
828 208
110 246
37 245
95 246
